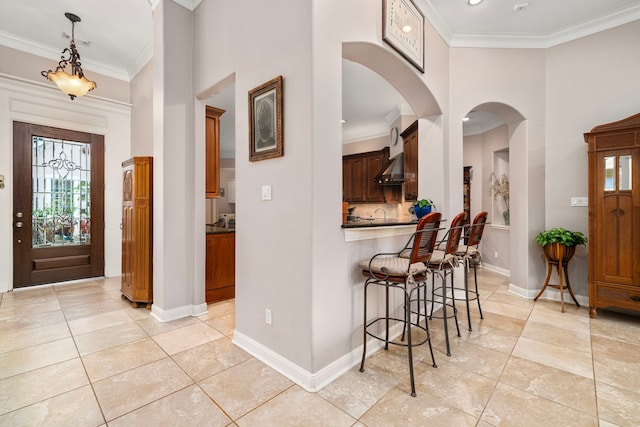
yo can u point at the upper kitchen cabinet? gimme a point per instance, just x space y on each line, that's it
358 173
410 138
212 151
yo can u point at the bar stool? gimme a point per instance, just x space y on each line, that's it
471 256
442 262
405 274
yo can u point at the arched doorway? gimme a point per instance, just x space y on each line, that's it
502 131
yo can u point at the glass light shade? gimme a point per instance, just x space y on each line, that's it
71 85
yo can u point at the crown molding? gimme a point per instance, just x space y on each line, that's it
605 22
364 133
435 20
33 48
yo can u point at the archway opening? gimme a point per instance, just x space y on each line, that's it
494 162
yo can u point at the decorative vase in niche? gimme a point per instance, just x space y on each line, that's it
505 215
420 212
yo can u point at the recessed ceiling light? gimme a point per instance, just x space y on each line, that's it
406 28
466 119
474 2
343 121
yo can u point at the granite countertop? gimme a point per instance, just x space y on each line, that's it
212 229
378 222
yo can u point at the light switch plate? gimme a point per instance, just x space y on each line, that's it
266 192
579 201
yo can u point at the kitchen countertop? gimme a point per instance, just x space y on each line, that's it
212 229
378 222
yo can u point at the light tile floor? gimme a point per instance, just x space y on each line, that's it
77 354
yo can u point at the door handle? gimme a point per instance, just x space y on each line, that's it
19 224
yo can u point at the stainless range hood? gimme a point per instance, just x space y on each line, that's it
393 172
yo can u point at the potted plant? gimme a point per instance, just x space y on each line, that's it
421 207
560 243
500 187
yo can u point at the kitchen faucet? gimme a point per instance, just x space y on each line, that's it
383 211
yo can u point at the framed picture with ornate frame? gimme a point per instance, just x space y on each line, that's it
403 30
266 121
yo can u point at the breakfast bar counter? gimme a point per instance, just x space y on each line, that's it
366 229
379 222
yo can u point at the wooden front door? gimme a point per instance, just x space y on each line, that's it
58 205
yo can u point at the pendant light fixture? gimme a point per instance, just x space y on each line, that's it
74 84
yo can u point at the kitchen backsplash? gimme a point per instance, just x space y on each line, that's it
393 210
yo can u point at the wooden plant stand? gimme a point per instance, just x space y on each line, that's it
558 256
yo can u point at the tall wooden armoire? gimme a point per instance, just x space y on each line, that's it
614 215
137 231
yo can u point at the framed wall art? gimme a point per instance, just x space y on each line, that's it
403 30
266 121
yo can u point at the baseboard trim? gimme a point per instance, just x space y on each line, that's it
549 294
178 313
495 269
312 382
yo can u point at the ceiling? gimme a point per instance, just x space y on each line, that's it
119 33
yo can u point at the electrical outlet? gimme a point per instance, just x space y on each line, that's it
267 316
495 254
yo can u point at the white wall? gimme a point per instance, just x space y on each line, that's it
273 242
142 114
42 104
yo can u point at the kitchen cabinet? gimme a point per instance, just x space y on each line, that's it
410 138
136 282
220 270
614 215
212 151
375 163
358 185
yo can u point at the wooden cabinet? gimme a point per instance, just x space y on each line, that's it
410 139
212 151
220 274
358 186
137 231
614 215
375 163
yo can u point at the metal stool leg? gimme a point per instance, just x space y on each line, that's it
453 301
407 311
466 292
475 279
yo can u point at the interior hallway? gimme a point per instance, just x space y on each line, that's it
77 354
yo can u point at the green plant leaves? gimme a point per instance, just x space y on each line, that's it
562 236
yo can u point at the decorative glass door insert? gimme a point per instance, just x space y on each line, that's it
61 210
